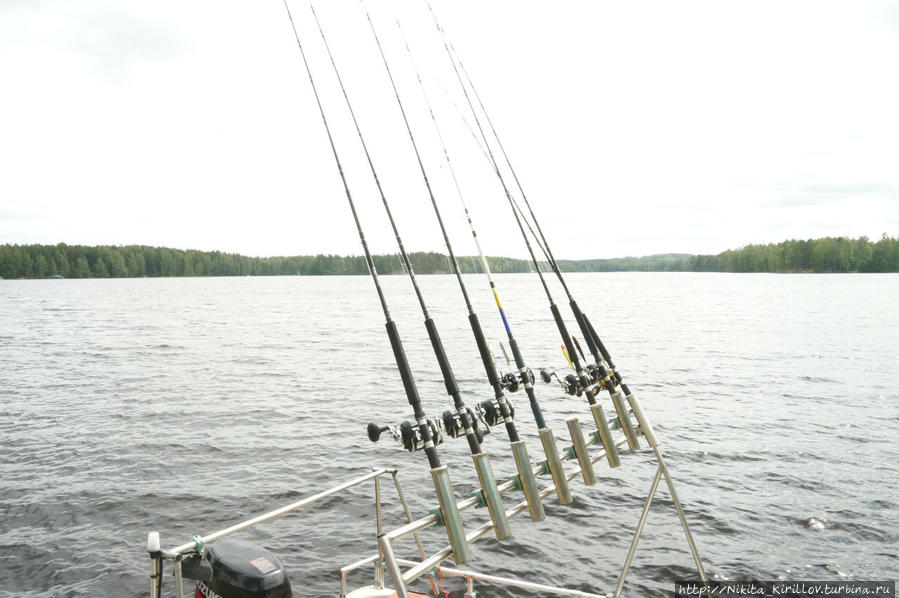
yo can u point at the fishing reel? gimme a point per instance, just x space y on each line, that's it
493 414
594 373
455 427
571 383
407 433
513 381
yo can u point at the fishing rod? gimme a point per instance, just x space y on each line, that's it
601 356
498 410
596 346
583 377
463 420
427 433
524 378
525 375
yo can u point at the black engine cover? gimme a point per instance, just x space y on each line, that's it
243 570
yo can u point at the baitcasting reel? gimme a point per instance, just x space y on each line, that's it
492 413
571 384
455 427
513 381
594 373
409 434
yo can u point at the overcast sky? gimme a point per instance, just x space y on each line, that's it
635 127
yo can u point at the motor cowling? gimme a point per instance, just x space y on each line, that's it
243 570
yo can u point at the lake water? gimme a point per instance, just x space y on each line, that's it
186 405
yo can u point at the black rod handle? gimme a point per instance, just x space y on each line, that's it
449 378
566 338
402 364
483 349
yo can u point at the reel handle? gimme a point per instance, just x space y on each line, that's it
374 431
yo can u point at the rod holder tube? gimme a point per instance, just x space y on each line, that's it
449 511
605 435
580 451
624 420
528 481
555 466
645 426
492 497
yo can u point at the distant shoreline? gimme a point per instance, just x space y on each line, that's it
825 255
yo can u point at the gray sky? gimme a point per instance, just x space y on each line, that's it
636 128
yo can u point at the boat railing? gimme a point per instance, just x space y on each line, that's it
386 561
158 555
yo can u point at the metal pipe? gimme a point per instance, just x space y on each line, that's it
645 426
555 465
680 513
525 585
407 511
580 451
528 481
425 522
605 435
599 456
392 566
449 511
153 547
279 512
625 421
344 571
409 518
379 573
179 580
418 569
155 575
638 531
492 497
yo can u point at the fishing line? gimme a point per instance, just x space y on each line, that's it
519 360
548 439
463 421
593 341
426 434
563 330
392 332
606 379
467 420
498 410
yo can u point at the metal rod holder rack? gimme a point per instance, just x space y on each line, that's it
386 560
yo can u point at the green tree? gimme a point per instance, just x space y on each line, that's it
117 267
81 270
40 266
99 269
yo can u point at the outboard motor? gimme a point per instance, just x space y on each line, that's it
241 570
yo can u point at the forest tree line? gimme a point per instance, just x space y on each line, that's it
829 254
108 261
